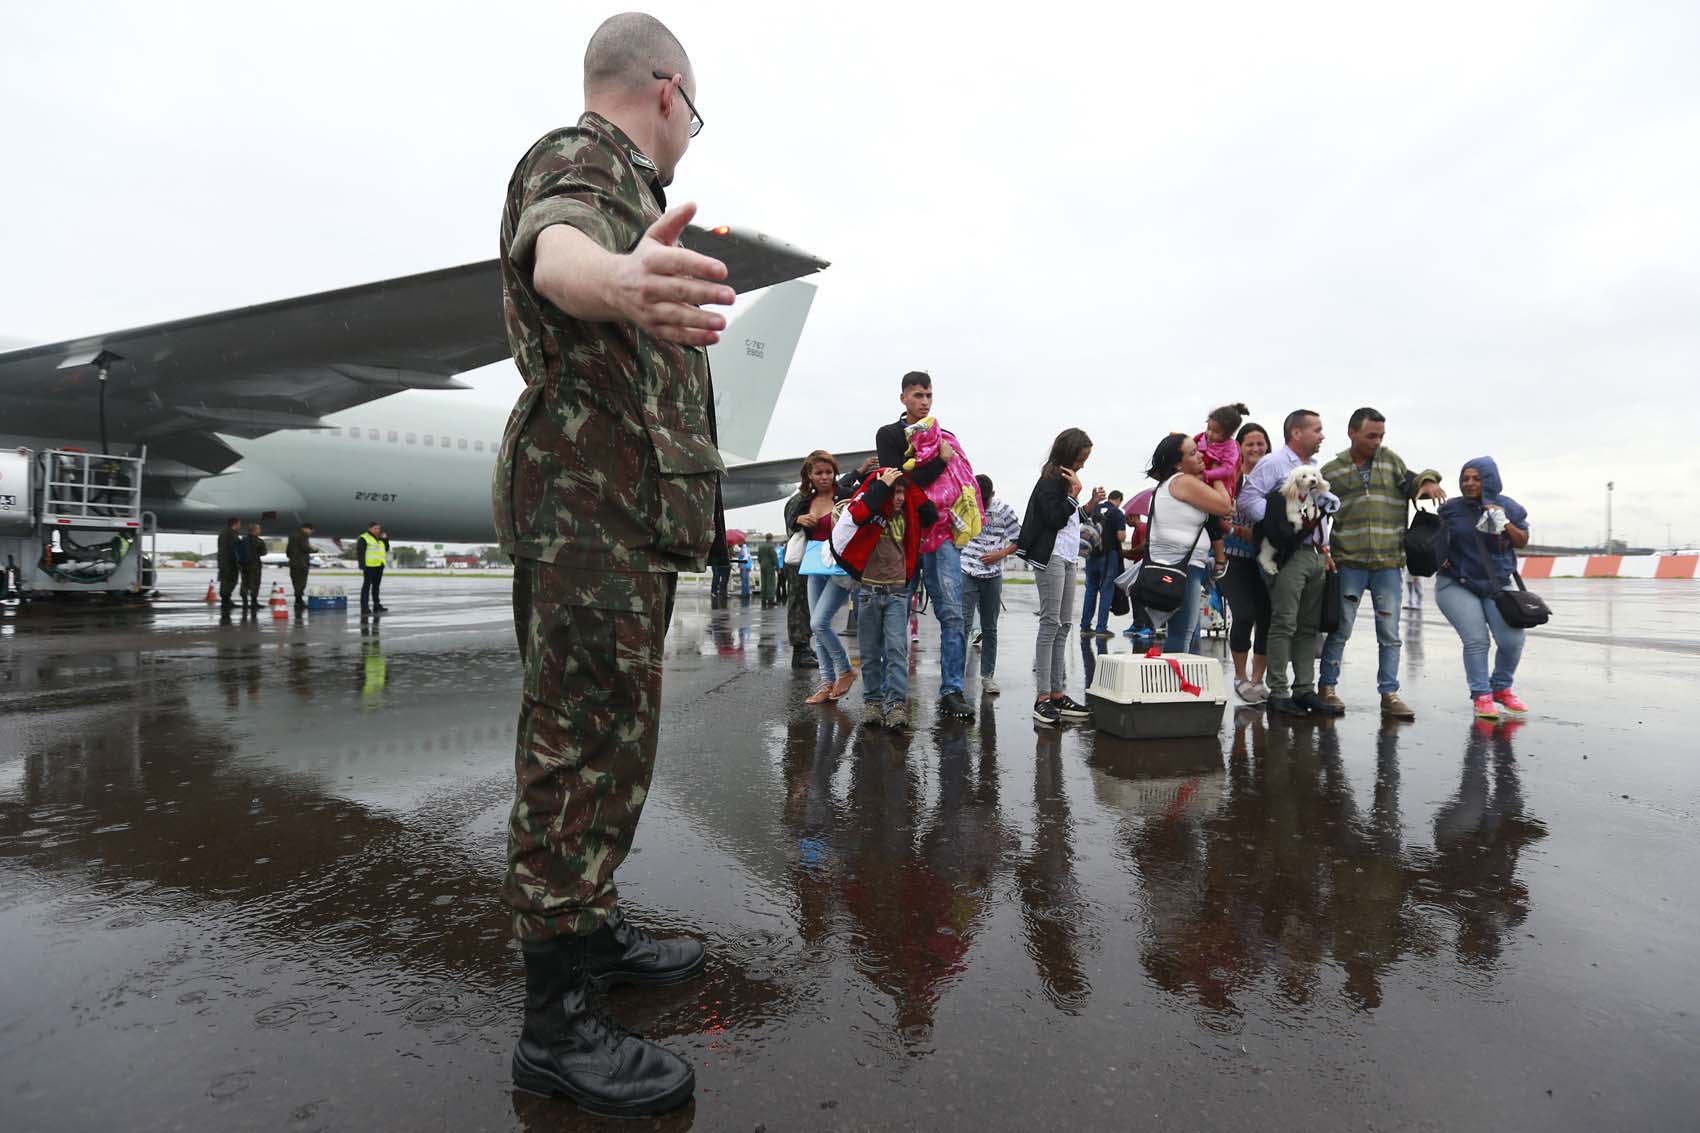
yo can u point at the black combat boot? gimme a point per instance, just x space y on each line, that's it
569 1047
621 953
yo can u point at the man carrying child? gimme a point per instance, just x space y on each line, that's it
875 540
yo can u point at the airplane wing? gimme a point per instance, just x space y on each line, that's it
248 372
752 260
745 485
176 386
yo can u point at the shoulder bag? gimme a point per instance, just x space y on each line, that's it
1422 543
1162 586
795 546
1521 608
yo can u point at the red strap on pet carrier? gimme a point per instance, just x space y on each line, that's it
1186 686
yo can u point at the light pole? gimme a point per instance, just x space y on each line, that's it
1609 485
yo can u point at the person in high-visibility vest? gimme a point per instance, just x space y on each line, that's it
374 553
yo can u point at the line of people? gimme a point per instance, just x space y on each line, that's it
241 556
1209 516
1211 512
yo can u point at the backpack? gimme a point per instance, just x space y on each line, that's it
1091 538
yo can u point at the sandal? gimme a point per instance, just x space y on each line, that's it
842 684
821 696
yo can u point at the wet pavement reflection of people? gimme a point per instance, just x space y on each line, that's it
1479 835
1290 877
1054 915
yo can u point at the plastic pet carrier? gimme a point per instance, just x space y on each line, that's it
1152 698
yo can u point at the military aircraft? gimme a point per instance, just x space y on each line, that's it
341 408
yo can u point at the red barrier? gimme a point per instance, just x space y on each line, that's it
1538 566
1677 566
1603 566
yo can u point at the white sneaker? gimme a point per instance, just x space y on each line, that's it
1248 692
989 687
1262 691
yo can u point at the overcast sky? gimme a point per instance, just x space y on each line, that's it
1479 218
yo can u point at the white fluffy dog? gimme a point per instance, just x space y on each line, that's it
1302 490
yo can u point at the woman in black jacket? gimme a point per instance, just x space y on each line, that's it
1050 542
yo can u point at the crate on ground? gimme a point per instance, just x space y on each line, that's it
1147 698
326 598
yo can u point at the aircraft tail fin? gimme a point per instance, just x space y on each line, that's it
750 363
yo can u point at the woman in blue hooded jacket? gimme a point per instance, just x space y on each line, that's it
1467 581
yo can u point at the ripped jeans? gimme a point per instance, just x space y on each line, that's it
1386 591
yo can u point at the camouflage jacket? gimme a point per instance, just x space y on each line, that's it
609 463
299 549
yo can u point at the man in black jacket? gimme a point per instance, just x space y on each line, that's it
941 569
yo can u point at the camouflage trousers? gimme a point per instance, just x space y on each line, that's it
589 714
797 629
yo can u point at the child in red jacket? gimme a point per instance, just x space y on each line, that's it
875 540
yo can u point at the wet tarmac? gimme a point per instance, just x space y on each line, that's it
248 879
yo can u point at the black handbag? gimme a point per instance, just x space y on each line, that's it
1331 613
1162 586
1521 608
1422 544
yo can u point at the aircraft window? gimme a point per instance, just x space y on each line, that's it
353 432
392 436
371 434
463 442
445 442
479 445
412 439
430 441
336 430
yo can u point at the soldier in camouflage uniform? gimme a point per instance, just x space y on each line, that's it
300 553
229 574
606 486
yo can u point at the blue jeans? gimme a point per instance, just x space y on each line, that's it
826 598
1386 589
942 572
882 632
1181 631
1100 588
983 596
1476 619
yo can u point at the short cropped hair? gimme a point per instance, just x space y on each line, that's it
917 378
1295 421
1359 416
627 49
985 483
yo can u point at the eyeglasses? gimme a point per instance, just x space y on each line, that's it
696 119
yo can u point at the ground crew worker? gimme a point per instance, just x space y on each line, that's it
767 555
250 549
606 486
300 552
228 574
374 553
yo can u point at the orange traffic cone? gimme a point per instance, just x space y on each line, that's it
280 604
212 593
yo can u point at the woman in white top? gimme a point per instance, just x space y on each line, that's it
1180 508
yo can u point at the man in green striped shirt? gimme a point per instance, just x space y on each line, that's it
1368 548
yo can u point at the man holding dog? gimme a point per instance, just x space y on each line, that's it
1368 545
1295 593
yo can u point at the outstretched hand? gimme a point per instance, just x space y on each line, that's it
663 287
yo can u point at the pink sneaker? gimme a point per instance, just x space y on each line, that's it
1486 709
1510 701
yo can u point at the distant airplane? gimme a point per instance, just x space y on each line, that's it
278 558
338 408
